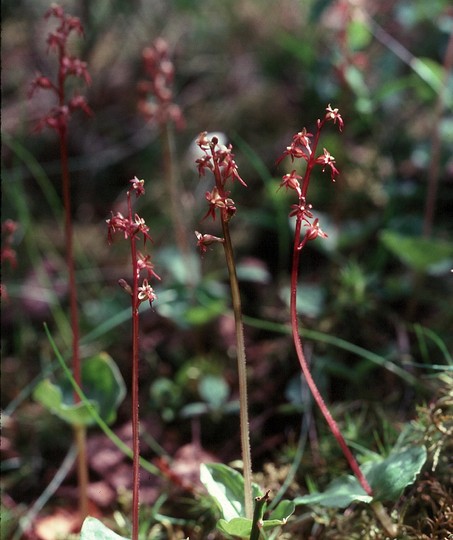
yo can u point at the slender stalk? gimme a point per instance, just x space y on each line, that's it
219 159
306 370
57 118
133 226
381 513
79 430
257 524
242 370
82 469
135 386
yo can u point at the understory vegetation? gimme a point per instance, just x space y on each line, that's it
227 270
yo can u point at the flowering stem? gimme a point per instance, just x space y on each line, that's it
135 386
301 147
298 245
242 370
79 430
219 160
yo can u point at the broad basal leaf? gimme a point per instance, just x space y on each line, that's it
102 384
93 529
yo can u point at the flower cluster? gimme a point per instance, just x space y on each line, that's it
133 226
58 117
218 159
302 147
156 94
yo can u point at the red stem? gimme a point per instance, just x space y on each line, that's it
306 370
298 245
135 386
79 430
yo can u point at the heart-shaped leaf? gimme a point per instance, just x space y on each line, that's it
241 527
226 486
102 384
93 529
387 478
339 494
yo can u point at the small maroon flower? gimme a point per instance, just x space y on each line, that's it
138 186
40 82
58 117
75 66
204 240
228 166
156 93
146 292
140 226
118 223
301 210
79 102
144 263
291 181
314 231
300 147
204 163
302 139
328 161
215 201
333 114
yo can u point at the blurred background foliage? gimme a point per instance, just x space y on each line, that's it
258 71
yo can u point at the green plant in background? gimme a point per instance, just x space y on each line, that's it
58 118
369 282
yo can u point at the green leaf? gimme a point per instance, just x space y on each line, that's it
358 35
102 384
50 395
421 254
389 477
241 527
430 71
214 390
339 494
93 529
282 511
226 486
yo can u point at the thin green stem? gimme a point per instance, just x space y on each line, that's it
258 513
242 370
